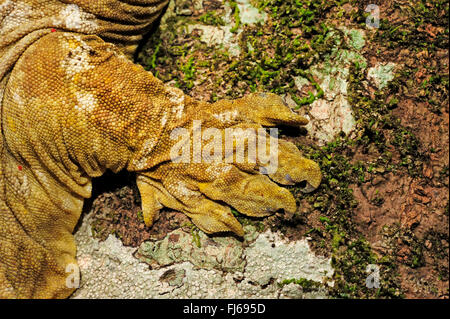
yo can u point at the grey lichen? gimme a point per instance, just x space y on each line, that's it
223 267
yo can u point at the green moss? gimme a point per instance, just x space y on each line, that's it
236 16
196 236
378 133
212 18
299 36
188 70
306 284
351 253
273 55
406 34
140 216
380 130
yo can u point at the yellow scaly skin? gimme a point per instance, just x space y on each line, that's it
73 105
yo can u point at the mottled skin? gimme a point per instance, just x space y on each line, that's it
73 105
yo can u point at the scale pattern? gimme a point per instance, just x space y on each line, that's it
73 105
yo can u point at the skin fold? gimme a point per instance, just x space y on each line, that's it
74 105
